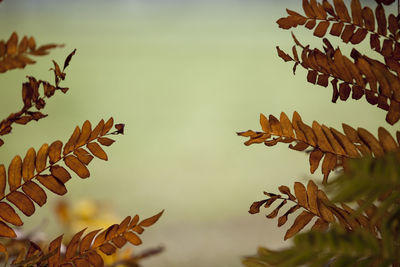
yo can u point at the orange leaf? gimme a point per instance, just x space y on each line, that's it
341 10
312 192
28 166
85 134
55 151
12 44
107 249
6 231
8 214
78 167
35 192
301 194
60 173
53 184
107 126
73 245
95 259
70 145
152 220
132 238
97 151
87 241
387 141
105 141
15 173
83 155
299 223
22 202
315 157
55 246
41 158
96 131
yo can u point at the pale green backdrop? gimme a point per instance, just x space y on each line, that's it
183 76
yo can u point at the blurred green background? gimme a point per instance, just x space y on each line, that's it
183 76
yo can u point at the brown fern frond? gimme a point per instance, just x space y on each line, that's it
353 27
44 168
84 251
314 203
14 54
354 76
327 143
33 100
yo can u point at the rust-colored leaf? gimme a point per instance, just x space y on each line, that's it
22 202
325 212
371 141
95 259
35 192
320 225
73 245
299 223
15 173
265 124
85 134
87 241
12 44
60 173
275 212
356 12
107 249
285 190
78 167
336 29
123 226
275 126
255 207
283 55
105 141
368 17
321 29
6 231
55 151
83 155
315 157
341 10
386 140
299 146
337 148
132 238
54 249
97 151
96 131
301 194
299 133
53 184
322 141
107 126
393 24
81 262
8 214
41 158
151 220
286 125
381 20
119 241
358 36
312 192
28 165
70 145
134 221
68 59
328 165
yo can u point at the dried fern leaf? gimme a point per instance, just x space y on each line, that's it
83 251
14 54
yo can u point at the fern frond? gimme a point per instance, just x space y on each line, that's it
327 143
353 28
314 203
32 99
84 250
355 76
44 167
15 55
